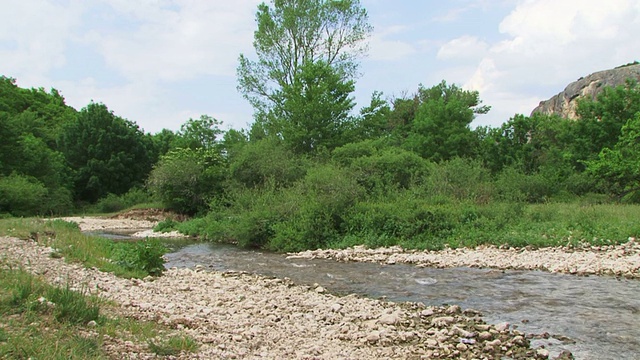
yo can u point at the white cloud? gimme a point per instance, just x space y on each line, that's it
384 47
179 39
464 48
35 34
551 43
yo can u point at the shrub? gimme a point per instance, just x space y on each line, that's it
389 169
185 180
22 195
145 255
264 161
459 179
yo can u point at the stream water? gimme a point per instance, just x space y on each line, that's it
595 317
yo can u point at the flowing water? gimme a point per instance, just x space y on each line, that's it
593 317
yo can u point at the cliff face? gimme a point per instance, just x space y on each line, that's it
565 103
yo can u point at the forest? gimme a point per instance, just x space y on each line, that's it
312 171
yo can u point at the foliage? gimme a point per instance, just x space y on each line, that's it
314 108
292 34
21 195
619 167
185 180
196 134
30 123
440 129
458 180
114 203
108 154
387 169
144 255
265 161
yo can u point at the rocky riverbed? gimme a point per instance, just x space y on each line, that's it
238 315
619 260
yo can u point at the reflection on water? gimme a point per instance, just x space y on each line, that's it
601 314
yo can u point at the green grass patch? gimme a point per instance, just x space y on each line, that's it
40 321
125 259
173 346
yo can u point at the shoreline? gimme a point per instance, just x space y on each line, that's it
611 260
615 260
239 315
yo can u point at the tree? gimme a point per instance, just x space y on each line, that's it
314 108
293 34
440 129
200 133
107 154
619 167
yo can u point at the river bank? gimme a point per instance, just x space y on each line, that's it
618 260
237 315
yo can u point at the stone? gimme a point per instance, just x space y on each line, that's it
565 103
542 353
453 309
389 319
374 336
443 320
503 326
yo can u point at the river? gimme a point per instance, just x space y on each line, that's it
595 317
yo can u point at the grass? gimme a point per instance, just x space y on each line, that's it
128 260
40 321
511 224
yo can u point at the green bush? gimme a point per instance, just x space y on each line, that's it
460 180
185 180
144 255
390 169
256 164
22 195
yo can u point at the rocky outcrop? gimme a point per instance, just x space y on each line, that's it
565 103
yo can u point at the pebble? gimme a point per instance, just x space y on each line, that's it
247 316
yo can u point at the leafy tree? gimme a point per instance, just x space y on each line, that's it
186 179
619 167
162 142
292 33
300 84
200 133
440 129
314 108
602 120
372 122
107 154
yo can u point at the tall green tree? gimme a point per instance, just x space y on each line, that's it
440 129
315 108
295 42
107 153
619 167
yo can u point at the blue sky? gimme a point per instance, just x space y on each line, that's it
161 62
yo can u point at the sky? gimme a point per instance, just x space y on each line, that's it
161 62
